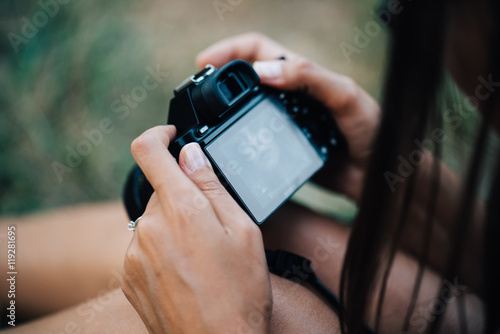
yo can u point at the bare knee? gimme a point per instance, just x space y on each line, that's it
298 310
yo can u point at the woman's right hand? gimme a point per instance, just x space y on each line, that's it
357 114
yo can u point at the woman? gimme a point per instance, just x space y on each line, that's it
185 272
415 260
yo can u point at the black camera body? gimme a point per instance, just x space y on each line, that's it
263 144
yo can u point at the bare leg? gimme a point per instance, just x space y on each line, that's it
73 257
66 256
91 253
109 313
320 239
295 310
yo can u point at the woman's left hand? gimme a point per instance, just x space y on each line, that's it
196 263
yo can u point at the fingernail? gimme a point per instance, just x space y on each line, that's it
268 69
194 157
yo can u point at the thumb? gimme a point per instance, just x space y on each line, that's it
335 91
196 166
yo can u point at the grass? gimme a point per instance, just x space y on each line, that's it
65 81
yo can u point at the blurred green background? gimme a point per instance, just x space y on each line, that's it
61 79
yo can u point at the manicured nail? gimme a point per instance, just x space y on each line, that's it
268 69
194 157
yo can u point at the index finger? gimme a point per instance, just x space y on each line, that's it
249 47
176 192
150 151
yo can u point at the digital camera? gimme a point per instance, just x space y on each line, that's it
263 144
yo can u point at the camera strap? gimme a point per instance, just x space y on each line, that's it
298 269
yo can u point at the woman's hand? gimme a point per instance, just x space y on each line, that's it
196 263
356 113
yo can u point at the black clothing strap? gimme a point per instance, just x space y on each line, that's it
298 268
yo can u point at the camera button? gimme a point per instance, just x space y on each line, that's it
201 131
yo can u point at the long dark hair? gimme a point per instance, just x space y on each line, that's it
410 109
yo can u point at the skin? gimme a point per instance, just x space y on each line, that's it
173 285
189 226
295 308
66 256
84 295
356 114
467 56
357 117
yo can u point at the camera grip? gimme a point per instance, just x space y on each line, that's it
137 193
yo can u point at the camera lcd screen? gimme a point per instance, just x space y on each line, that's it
265 157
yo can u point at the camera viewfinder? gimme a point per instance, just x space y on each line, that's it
230 88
